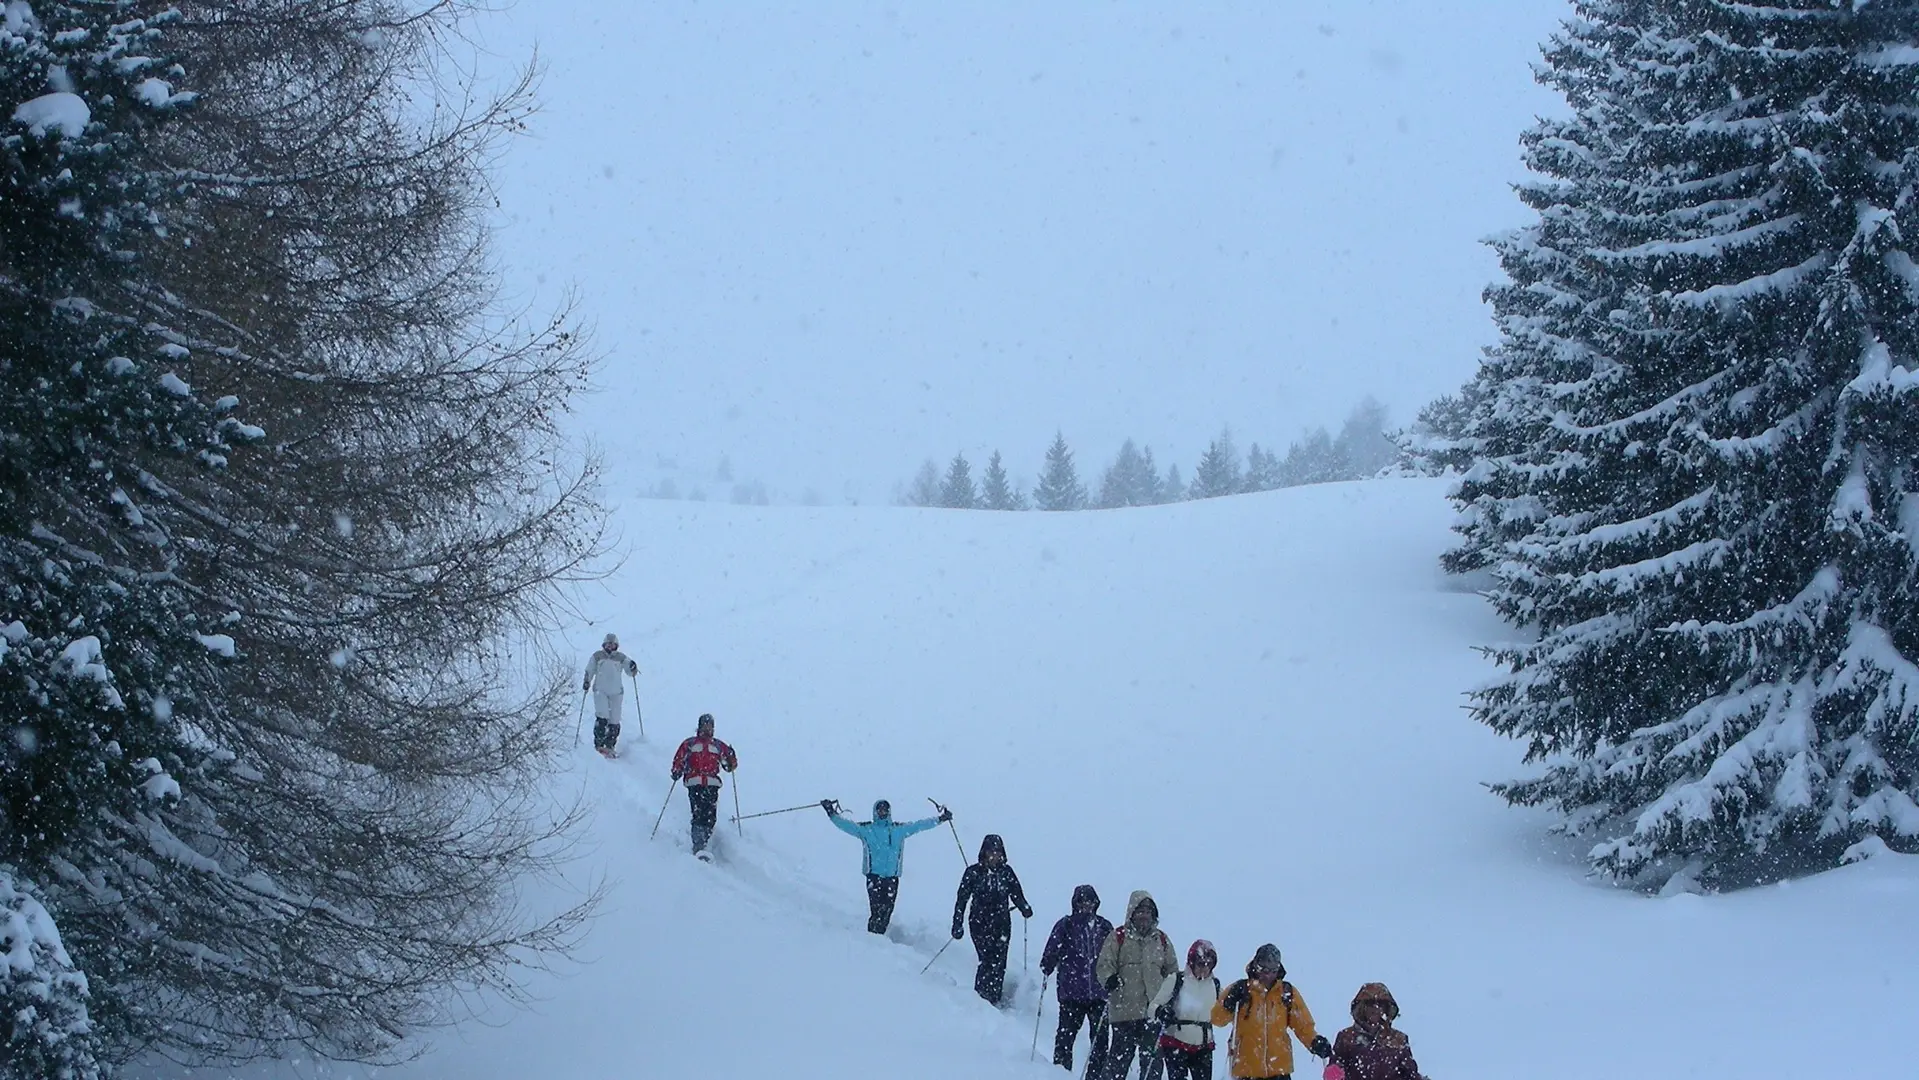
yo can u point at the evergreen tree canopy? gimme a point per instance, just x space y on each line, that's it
957 491
1262 470
925 488
1698 440
1129 481
1437 442
1363 447
1059 487
274 491
1173 488
996 491
1218 470
1310 460
1151 488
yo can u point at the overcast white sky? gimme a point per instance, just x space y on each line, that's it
830 239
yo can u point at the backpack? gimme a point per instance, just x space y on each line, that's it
1157 932
1168 1014
1285 999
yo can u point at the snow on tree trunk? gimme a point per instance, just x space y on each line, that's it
1696 439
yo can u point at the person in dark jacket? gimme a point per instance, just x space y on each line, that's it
994 890
1372 1049
1070 950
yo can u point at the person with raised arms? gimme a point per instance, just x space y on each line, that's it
884 843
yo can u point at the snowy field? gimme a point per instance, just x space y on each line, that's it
1249 706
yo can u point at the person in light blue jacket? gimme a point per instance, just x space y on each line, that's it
885 841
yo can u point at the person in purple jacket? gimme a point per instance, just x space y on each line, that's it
1071 950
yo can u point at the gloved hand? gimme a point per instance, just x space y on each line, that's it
945 815
830 807
957 932
1321 1048
1112 982
632 668
1235 996
1025 913
1165 1014
674 775
586 687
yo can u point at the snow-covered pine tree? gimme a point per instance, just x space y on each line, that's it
1262 470
1309 460
1150 493
276 487
1173 488
1698 475
1128 481
1218 471
1059 487
1437 443
925 487
43 998
996 490
1363 447
957 491
106 449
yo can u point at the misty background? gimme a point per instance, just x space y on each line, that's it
824 242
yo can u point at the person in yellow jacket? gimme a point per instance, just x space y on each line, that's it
1265 1013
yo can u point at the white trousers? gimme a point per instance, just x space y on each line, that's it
606 704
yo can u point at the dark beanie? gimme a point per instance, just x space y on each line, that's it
1267 957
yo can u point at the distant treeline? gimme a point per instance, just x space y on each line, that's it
1133 478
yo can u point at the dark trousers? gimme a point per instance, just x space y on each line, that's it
991 940
1129 1036
881 894
1071 1015
1188 1064
605 733
705 800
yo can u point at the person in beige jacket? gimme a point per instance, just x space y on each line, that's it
1135 960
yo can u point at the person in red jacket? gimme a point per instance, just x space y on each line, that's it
698 763
1372 1049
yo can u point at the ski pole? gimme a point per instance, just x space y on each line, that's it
662 817
579 722
936 956
964 861
1095 1061
736 805
1025 957
768 813
1038 1011
639 717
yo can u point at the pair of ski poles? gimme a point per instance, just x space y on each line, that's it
639 715
735 810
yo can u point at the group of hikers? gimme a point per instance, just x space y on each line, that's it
1124 985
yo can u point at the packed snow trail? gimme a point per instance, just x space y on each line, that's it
1248 706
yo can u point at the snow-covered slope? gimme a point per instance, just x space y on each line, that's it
1249 706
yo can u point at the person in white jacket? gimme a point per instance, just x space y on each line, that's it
1184 1008
606 672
